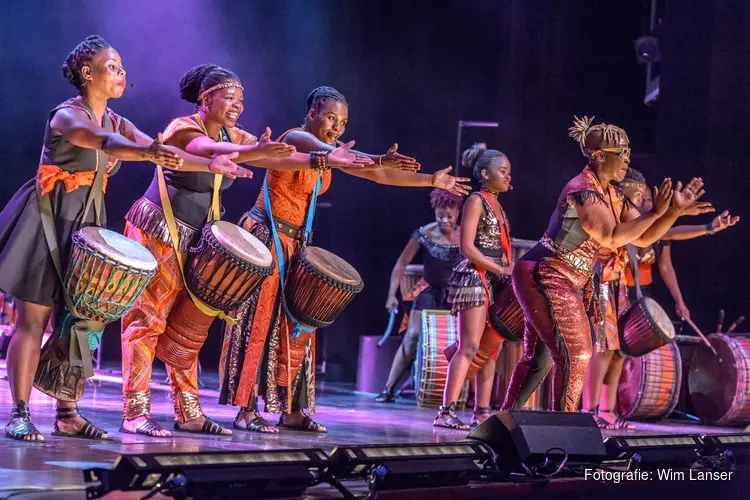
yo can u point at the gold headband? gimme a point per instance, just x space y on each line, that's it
218 87
632 184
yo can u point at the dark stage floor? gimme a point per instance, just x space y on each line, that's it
351 419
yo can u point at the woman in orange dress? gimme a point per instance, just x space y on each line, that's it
259 355
212 130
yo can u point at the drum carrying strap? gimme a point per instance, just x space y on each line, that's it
633 258
174 236
298 327
81 328
214 214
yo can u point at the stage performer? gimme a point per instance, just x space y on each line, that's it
439 244
81 133
616 292
218 95
547 280
258 355
486 265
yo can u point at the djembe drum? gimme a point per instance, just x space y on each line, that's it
222 271
649 386
319 286
106 274
227 266
645 327
505 318
412 282
439 330
505 314
720 385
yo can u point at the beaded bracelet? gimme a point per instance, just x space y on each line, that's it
319 161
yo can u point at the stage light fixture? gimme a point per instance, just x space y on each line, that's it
257 474
645 452
647 49
411 465
729 448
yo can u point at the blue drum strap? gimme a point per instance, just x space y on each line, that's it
298 327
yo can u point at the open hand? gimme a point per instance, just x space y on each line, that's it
723 221
662 197
159 154
692 192
223 165
699 208
343 158
272 149
393 159
457 185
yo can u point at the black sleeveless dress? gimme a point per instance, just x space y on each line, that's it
26 268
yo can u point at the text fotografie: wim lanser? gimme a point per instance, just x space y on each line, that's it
659 474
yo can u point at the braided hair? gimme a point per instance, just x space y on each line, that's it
479 158
82 56
440 198
321 95
202 77
597 137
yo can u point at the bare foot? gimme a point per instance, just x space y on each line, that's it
196 425
253 421
154 429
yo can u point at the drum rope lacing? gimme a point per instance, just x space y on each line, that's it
298 327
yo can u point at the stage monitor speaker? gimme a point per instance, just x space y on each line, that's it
530 437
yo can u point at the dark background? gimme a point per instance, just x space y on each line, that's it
410 71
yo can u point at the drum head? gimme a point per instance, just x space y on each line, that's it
713 380
659 317
332 266
241 244
414 270
122 249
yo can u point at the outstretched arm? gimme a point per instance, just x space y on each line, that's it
306 142
407 255
221 164
76 126
720 223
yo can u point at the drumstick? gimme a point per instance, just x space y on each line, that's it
736 324
720 325
700 334
388 329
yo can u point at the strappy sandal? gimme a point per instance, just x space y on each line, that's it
208 427
600 422
257 424
148 427
307 425
387 396
619 423
24 426
453 422
480 411
87 431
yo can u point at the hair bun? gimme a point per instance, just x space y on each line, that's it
470 157
190 83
